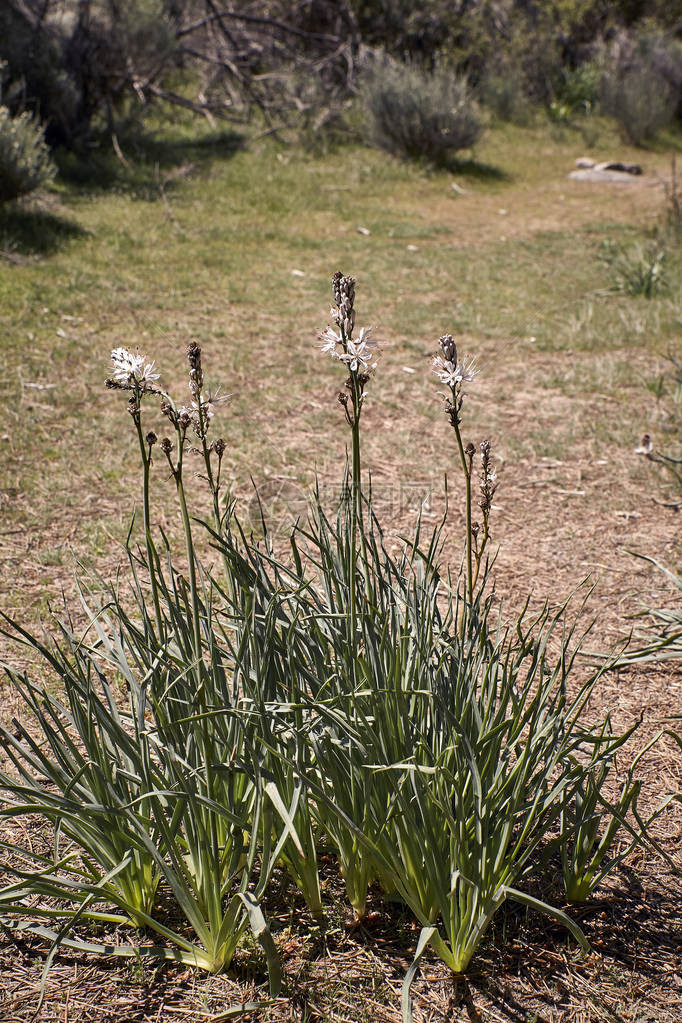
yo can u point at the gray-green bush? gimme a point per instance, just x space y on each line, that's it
419 114
25 162
641 82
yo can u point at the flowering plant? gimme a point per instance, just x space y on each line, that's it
214 729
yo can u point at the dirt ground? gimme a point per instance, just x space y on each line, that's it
572 519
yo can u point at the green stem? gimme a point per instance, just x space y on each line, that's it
357 479
209 468
149 543
214 484
198 653
196 618
355 512
481 549
467 477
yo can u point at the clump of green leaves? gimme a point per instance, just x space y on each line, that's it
638 270
576 92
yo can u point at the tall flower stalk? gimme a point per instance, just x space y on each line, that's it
131 372
134 373
358 354
455 375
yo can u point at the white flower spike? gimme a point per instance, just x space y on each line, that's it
358 353
454 373
132 369
328 340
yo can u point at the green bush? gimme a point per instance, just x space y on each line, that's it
640 84
576 92
414 113
503 92
25 162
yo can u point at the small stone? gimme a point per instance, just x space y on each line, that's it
362 230
297 273
605 172
413 248
622 168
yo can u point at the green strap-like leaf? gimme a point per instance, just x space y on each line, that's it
544 907
406 1001
261 931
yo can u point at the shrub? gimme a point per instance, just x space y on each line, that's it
640 84
414 113
34 75
576 92
502 92
25 162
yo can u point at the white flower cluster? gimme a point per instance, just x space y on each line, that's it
454 373
357 354
132 369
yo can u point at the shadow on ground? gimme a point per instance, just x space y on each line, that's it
137 164
29 231
476 171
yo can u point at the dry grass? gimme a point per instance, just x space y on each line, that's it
561 394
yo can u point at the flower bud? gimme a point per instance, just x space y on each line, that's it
151 438
336 289
196 376
343 289
448 348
